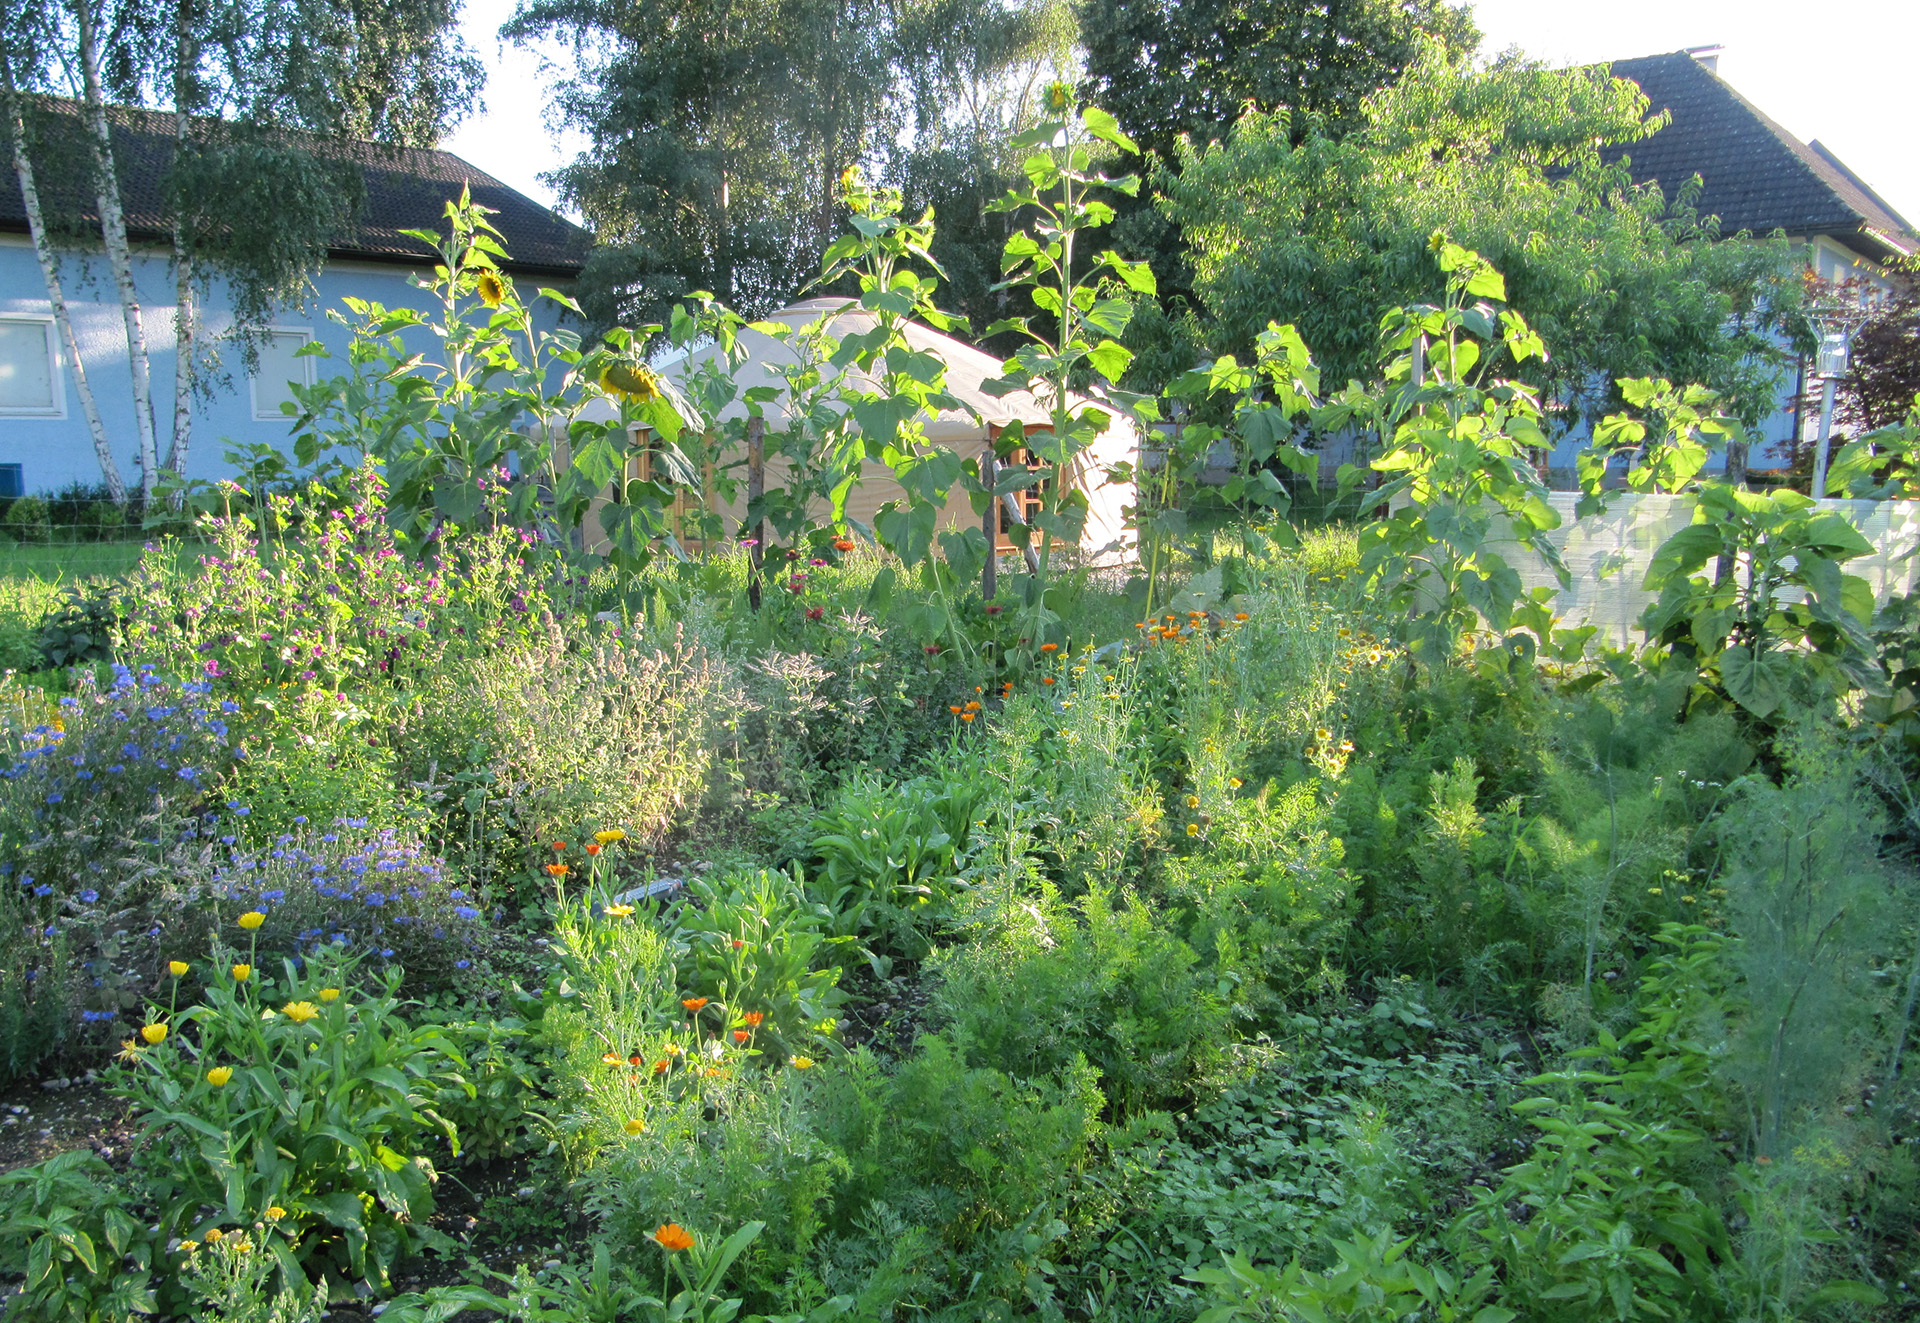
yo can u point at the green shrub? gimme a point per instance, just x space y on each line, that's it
321 1105
991 1166
65 1229
754 945
28 520
1100 982
889 854
1265 903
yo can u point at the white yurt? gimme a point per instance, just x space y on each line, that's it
969 429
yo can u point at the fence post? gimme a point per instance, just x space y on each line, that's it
990 525
756 488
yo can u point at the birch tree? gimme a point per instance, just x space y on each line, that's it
43 251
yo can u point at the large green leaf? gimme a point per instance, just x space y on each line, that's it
1756 682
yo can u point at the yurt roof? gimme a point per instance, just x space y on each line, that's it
968 369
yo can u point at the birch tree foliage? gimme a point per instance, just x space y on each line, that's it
266 106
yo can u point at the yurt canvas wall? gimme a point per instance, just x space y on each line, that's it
967 430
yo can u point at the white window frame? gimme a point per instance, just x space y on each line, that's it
253 378
55 359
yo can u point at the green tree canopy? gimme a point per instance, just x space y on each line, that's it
1168 68
1288 222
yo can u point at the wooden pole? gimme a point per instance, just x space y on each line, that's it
756 488
990 525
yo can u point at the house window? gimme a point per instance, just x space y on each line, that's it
280 369
29 369
13 483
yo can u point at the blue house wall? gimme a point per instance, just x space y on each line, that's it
57 449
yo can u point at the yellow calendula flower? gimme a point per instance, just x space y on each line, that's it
241 973
635 1126
177 968
214 1235
1193 801
619 911
300 1011
252 919
275 1213
609 836
155 1034
1235 782
1193 829
491 288
219 1076
802 1063
329 994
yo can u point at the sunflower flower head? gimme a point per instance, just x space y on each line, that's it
491 288
631 381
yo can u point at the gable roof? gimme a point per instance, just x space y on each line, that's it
1756 175
405 188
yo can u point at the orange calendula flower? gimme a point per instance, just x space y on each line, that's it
1049 647
843 544
694 1003
660 1066
973 707
1240 617
559 845
966 716
753 1018
177 968
672 1237
634 1126
741 1035
634 1060
1046 679
558 870
593 847
954 708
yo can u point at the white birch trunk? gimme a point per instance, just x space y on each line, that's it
50 272
113 235
183 307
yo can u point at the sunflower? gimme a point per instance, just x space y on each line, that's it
491 288
632 381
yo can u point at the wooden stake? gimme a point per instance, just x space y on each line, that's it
756 488
990 525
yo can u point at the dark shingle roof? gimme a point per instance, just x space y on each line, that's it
1756 175
406 188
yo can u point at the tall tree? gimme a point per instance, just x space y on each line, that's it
719 130
1168 68
1290 223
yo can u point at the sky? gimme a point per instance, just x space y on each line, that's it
1845 76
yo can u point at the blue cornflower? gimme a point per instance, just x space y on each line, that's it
43 890
89 896
466 911
462 964
54 797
